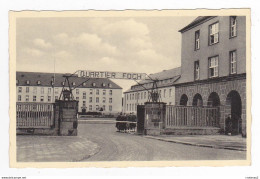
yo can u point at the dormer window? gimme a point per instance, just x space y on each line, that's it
93 84
17 82
63 83
110 85
73 83
103 84
52 83
27 82
84 84
38 82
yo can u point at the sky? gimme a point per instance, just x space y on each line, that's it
120 44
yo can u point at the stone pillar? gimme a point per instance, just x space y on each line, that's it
67 117
155 114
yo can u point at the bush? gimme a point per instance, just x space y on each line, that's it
125 122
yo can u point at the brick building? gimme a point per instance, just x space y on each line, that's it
94 94
213 67
138 94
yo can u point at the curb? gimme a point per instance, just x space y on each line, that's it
195 144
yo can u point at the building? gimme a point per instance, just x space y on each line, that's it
213 67
92 94
138 94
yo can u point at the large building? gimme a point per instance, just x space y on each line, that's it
92 94
213 67
138 94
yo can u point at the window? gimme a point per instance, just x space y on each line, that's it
38 82
90 99
97 107
97 99
97 91
127 107
49 90
91 91
110 92
73 83
144 95
77 98
42 98
170 92
20 89
77 91
84 103
90 107
104 107
110 100
93 84
42 90
63 83
233 62
233 26
34 90
196 70
213 33
110 108
56 90
197 40
19 98
84 95
164 93
213 66
27 98
17 82
27 82
104 92
56 97
27 89
104 99
110 85
103 84
84 84
49 98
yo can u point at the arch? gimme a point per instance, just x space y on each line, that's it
197 100
234 102
213 100
184 100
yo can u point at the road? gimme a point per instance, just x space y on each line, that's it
116 146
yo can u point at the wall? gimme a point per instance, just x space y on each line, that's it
222 88
222 48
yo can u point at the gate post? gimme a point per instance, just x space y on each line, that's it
66 118
155 114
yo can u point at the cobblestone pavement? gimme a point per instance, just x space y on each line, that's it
117 146
212 141
54 148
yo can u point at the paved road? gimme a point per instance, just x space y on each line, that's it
115 146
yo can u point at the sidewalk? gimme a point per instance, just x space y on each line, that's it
212 141
54 148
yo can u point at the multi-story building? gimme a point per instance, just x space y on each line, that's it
213 67
92 94
138 94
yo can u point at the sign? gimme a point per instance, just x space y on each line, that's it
112 75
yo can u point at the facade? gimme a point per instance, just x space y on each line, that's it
213 67
138 94
92 94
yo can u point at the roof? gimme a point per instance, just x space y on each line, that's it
168 76
196 22
47 78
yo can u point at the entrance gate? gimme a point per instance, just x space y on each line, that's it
140 119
